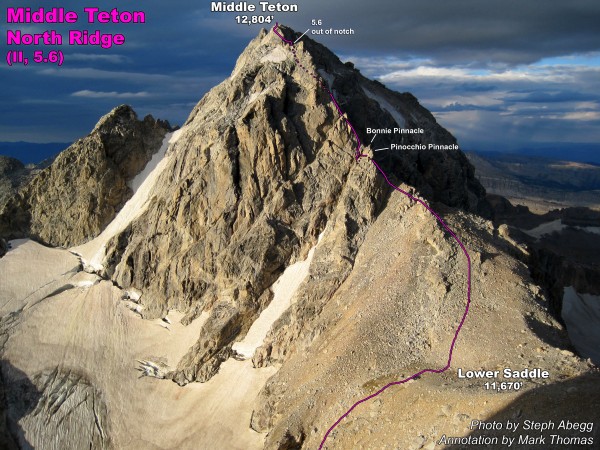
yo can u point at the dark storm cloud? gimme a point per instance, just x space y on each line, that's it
472 62
470 32
165 66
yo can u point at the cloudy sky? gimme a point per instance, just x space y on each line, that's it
499 74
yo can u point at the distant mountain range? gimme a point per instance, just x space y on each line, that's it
564 151
538 182
31 152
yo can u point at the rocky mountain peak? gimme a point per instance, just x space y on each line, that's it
122 114
262 167
74 198
445 176
123 118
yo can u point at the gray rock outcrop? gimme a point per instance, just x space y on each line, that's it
73 199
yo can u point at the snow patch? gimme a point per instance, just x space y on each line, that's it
255 95
276 55
92 253
556 225
327 77
132 294
384 104
283 292
138 180
581 313
545 228
84 280
595 230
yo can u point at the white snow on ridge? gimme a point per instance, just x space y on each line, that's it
387 106
545 228
595 230
581 313
284 290
327 77
138 180
556 225
92 253
276 55
255 95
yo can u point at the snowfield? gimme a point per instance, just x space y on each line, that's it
92 253
384 104
284 290
581 313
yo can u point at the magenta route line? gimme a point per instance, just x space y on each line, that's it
358 155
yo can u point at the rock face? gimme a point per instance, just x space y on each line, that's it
264 163
14 175
262 174
74 198
12 171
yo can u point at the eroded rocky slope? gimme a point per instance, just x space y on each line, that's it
13 174
74 198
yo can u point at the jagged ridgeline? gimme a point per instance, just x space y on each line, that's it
262 165
199 230
74 199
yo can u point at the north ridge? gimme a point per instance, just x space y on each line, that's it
75 37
